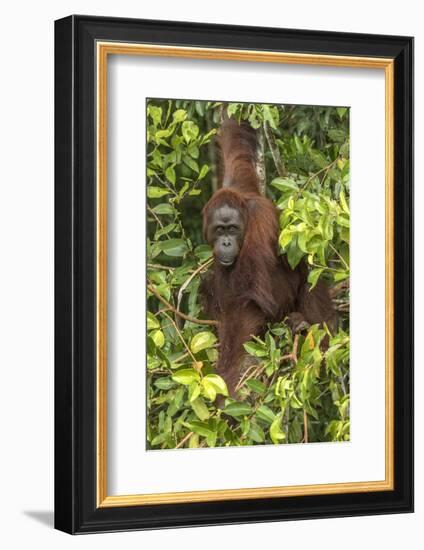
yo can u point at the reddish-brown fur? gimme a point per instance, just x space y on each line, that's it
260 287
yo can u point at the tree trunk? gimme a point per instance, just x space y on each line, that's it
260 163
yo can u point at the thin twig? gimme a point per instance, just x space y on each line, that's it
159 311
339 288
159 266
339 255
155 216
177 312
293 355
260 163
295 346
325 169
188 281
166 184
178 359
259 370
245 375
184 439
286 357
181 338
278 161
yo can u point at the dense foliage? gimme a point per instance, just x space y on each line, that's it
293 390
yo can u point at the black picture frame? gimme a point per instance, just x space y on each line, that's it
76 509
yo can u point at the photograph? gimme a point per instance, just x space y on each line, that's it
209 253
234 274
247 273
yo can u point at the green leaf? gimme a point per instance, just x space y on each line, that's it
152 322
302 239
341 111
295 402
275 431
194 391
207 137
341 276
209 390
285 237
200 408
237 409
211 439
193 151
170 174
186 376
200 428
156 192
203 252
294 254
158 338
344 203
183 189
255 349
265 413
245 426
203 172
271 116
343 221
173 247
164 291
163 209
232 109
336 135
191 163
190 130
200 107
179 115
155 113
257 386
217 382
319 159
202 340
314 275
165 230
164 383
193 442
161 134
256 433
285 184
178 398
159 439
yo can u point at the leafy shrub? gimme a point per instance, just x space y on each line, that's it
294 389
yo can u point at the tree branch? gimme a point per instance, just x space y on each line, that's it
182 338
339 288
260 163
183 440
293 355
326 169
177 312
189 279
278 161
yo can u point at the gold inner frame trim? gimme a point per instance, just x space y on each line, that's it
103 49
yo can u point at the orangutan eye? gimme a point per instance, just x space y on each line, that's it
219 230
233 229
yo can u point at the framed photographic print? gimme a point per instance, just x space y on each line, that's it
234 274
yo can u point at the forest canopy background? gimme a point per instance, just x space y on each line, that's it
293 391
